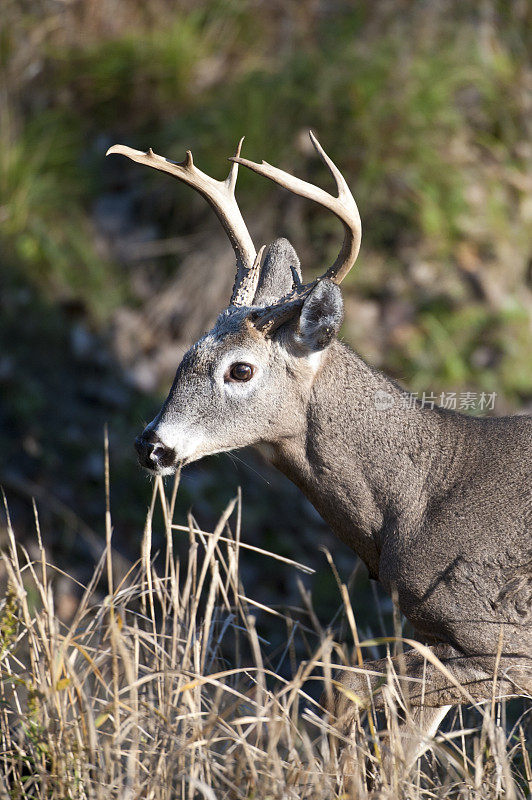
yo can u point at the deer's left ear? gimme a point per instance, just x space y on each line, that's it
321 316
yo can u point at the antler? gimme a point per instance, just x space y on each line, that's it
343 206
221 197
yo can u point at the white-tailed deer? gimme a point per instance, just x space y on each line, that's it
438 505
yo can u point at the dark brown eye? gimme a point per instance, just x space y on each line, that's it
240 372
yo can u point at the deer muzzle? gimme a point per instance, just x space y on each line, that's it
153 455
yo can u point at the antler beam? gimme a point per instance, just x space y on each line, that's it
343 206
221 197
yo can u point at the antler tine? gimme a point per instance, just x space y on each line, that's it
343 206
221 197
230 181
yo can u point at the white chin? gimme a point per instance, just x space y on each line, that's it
167 471
163 471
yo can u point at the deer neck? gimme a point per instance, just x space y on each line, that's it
367 461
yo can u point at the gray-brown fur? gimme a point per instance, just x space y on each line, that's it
437 504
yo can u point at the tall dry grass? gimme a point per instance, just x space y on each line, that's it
162 687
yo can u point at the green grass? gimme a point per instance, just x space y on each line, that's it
466 347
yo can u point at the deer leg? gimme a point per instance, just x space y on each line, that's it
399 747
421 690
445 677
414 737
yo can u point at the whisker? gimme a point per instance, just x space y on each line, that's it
234 456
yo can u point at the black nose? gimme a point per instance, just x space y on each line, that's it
152 453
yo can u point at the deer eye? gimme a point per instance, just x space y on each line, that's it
240 372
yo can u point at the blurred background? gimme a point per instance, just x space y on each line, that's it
108 272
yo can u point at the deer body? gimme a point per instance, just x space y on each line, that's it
435 503
438 505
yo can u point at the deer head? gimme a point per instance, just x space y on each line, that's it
246 381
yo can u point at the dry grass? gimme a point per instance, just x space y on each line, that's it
161 687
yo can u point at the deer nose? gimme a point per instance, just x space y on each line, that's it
152 453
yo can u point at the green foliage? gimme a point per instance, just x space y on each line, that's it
393 110
8 620
142 75
467 347
45 232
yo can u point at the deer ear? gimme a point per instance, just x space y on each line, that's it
321 316
276 277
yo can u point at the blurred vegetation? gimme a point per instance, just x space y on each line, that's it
425 107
